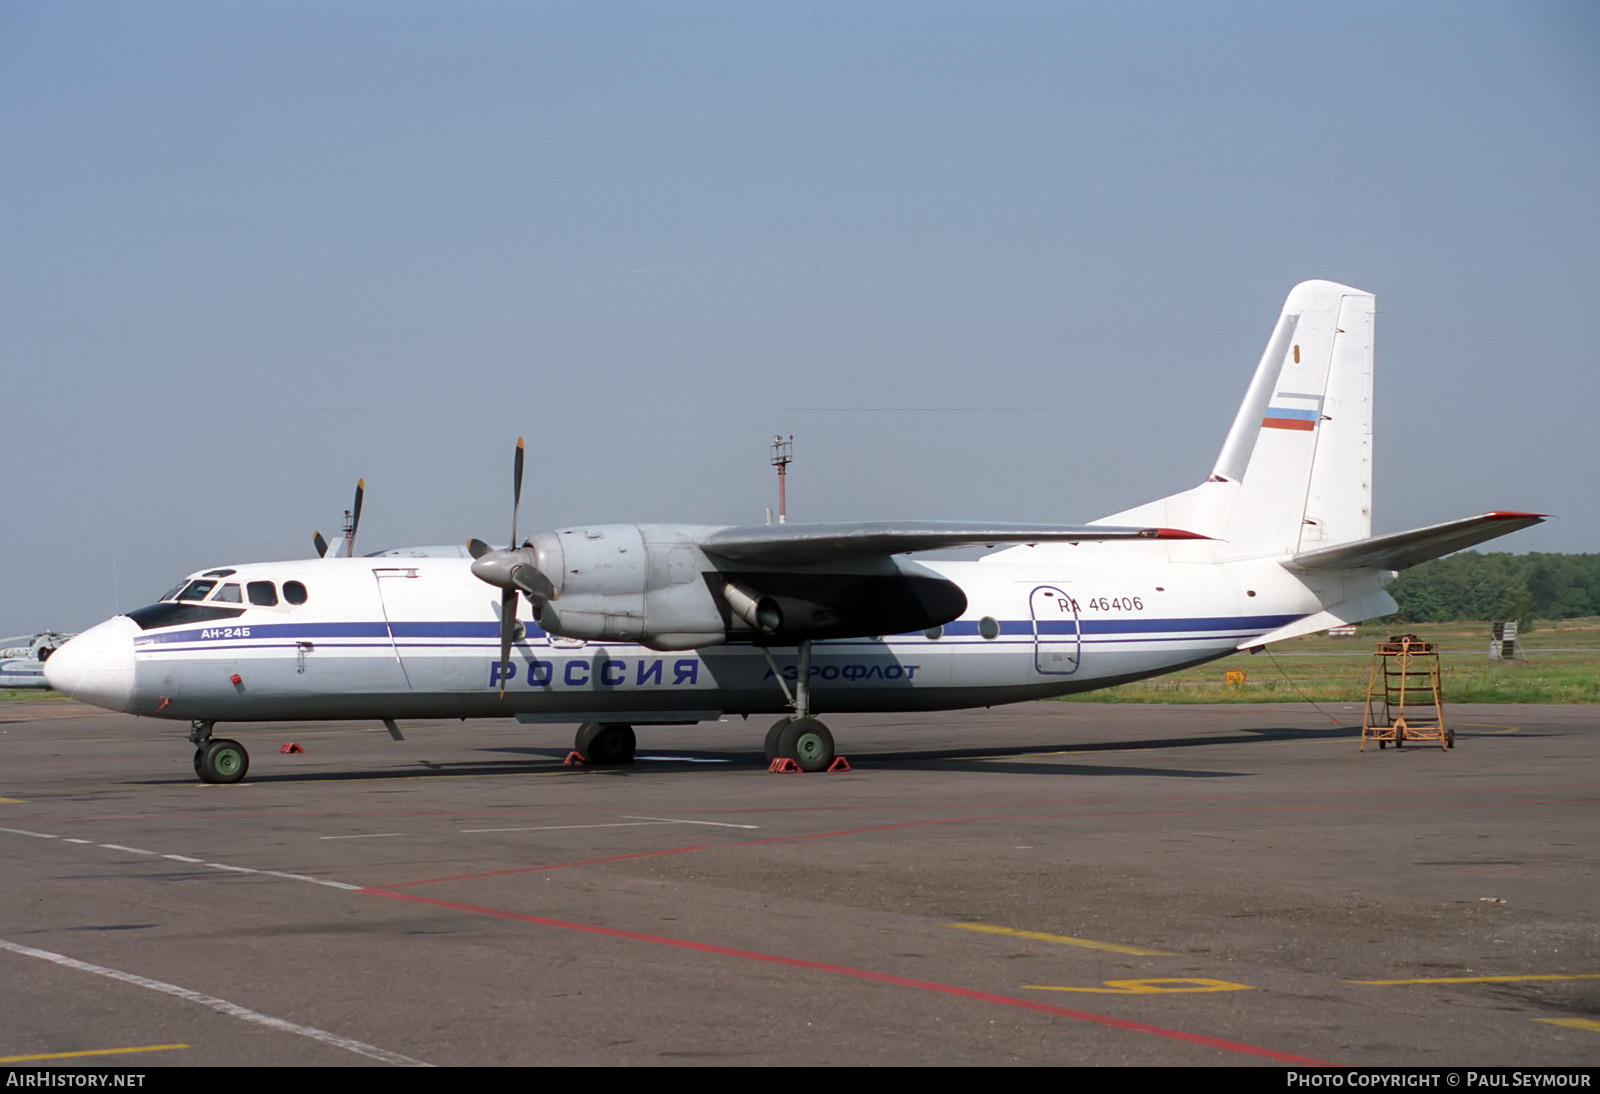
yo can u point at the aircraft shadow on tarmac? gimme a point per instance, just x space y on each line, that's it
1033 759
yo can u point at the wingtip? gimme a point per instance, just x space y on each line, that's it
1514 514
1175 533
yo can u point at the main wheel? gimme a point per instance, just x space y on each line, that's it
770 748
606 742
221 761
808 743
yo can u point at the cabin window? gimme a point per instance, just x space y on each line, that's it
989 627
294 592
263 594
933 634
196 590
228 594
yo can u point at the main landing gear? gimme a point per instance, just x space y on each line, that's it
217 759
800 737
605 743
806 741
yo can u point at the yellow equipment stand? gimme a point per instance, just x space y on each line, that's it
1405 672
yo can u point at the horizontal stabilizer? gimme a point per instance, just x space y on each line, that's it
1402 549
787 544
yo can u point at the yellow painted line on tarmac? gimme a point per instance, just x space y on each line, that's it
87 1052
1062 939
1482 979
12 801
1166 985
1573 1023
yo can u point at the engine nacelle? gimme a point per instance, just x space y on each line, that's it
652 584
630 583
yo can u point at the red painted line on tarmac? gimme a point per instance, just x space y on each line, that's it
547 866
1077 814
672 851
1201 1039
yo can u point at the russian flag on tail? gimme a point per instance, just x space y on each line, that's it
1291 410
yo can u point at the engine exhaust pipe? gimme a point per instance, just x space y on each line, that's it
760 612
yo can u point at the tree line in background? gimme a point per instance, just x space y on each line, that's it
1470 585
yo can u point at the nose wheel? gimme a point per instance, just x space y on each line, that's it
216 759
221 761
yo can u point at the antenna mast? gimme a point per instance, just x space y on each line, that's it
782 454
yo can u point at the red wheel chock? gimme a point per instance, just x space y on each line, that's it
574 759
785 766
290 746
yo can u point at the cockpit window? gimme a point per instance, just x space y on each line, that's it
172 593
263 593
196 590
294 592
228 594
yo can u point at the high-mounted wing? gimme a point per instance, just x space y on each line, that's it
797 544
1402 549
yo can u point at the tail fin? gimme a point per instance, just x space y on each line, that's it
1295 472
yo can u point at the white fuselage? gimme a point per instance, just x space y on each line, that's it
408 638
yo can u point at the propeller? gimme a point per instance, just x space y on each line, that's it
352 520
511 571
355 520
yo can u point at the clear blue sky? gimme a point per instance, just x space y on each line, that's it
1000 260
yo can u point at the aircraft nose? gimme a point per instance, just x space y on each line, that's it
97 666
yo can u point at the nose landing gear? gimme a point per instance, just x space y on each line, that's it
217 759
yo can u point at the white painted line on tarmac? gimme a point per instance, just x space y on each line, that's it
364 835
713 824
232 1010
229 868
685 759
313 880
562 827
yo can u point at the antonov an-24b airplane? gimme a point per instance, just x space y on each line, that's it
619 625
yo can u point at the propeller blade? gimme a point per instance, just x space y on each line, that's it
320 543
355 518
532 581
516 492
508 629
477 548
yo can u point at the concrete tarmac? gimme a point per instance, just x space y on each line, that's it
1052 883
